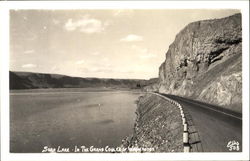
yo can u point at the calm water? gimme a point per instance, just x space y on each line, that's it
70 117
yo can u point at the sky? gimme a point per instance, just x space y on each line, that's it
127 44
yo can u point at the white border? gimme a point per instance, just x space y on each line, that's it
4 47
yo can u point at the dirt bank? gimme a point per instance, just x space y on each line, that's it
158 127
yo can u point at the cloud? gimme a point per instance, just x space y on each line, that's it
86 25
143 52
132 38
29 51
29 66
122 12
80 62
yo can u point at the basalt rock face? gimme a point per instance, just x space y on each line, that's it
205 62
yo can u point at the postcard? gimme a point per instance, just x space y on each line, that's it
124 80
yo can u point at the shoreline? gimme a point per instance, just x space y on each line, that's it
87 89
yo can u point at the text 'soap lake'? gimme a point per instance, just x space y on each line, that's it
69 117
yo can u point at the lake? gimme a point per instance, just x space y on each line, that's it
65 118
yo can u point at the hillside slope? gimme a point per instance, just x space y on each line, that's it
158 126
26 80
205 62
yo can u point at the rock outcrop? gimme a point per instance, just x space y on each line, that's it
151 85
205 62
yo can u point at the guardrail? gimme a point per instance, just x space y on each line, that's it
186 144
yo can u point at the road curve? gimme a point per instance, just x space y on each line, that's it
215 126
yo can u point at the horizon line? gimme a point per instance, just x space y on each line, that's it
80 76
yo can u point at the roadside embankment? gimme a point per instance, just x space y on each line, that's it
158 126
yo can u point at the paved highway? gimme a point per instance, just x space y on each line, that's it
215 126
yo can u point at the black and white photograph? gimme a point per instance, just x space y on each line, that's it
126 81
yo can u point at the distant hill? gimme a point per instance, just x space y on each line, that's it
205 62
27 80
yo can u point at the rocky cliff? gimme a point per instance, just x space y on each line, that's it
205 62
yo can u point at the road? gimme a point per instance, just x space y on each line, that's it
215 126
